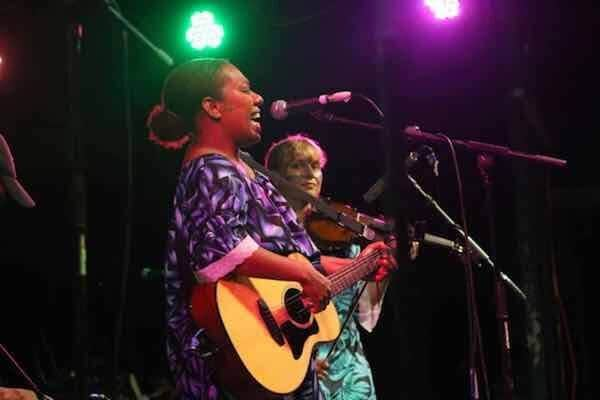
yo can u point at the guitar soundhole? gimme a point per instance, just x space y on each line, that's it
295 307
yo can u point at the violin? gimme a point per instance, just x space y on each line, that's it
332 237
329 234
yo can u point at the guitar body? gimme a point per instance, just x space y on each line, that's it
265 335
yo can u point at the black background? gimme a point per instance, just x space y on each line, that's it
455 77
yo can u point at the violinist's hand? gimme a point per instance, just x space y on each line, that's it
321 367
385 263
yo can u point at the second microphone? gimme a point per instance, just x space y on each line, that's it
281 109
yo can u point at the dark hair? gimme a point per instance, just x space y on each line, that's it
172 121
278 152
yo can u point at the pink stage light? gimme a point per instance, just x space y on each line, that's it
443 9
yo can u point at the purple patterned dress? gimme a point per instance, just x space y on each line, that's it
220 217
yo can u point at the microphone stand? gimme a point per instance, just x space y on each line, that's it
477 254
473 250
414 133
485 163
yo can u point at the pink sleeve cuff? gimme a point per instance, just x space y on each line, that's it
225 265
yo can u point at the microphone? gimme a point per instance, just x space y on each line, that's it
425 152
420 234
439 241
280 109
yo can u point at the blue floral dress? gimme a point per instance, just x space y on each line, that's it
349 375
219 218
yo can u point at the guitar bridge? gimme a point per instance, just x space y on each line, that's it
269 320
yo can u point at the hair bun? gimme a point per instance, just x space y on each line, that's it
167 129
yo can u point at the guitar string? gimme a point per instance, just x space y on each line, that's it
337 278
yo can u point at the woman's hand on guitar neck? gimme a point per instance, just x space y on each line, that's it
316 288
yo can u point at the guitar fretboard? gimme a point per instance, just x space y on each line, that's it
354 272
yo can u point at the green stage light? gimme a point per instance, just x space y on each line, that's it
204 31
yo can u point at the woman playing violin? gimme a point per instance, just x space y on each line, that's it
345 373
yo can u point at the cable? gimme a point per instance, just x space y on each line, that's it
351 311
475 342
563 320
371 102
320 115
30 381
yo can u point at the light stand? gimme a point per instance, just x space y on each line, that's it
75 36
114 9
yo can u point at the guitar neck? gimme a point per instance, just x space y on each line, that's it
354 272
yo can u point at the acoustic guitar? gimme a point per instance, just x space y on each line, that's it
264 331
